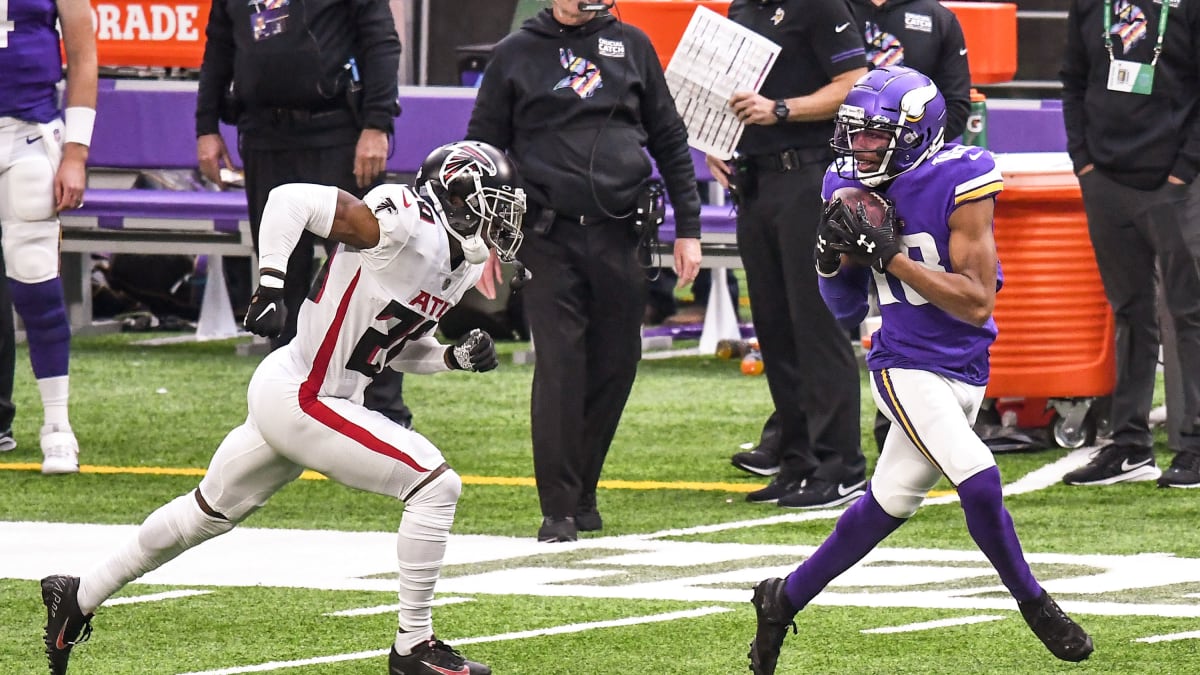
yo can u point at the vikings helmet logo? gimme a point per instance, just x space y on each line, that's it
1130 26
584 79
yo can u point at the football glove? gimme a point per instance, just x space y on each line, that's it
832 240
475 351
264 317
873 245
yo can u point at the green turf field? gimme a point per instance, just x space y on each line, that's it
306 585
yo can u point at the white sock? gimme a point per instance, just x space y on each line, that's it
172 529
55 392
420 547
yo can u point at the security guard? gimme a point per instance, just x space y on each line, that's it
574 96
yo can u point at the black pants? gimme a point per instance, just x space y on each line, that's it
8 352
809 364
584 303
267 169
1132 233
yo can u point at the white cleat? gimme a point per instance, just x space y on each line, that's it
60 450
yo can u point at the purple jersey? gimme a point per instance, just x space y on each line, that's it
29 60
915 333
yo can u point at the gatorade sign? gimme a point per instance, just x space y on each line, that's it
166 33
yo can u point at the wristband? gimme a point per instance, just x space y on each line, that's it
80 120
270 279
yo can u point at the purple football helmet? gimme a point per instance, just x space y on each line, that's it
904 104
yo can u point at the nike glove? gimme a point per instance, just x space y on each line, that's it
475 351
874 245
831 241
265 314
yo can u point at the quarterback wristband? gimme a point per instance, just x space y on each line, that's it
79 123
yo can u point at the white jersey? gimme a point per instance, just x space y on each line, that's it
367 305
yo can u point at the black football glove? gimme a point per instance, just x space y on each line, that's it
832 240
265 315
475 351
874 246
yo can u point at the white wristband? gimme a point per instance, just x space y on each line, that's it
80 121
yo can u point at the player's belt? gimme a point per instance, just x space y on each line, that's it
791 159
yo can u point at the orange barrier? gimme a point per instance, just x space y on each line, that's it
990 29
1056 328
164 33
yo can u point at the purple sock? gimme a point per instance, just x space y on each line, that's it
992 529
47 330
859 530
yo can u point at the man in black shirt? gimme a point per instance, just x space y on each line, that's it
311 86
576 98
781 161
1132 111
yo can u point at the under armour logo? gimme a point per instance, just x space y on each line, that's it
866 244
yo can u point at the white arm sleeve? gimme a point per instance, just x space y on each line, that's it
422 356
291 209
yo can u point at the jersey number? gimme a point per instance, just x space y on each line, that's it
923 242
404 325
6 26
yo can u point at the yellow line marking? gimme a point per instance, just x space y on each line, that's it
510 481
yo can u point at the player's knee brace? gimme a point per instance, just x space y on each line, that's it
429 513
31 250
178 526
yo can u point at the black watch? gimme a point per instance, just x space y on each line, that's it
781 110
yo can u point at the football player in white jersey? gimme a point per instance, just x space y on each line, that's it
405 256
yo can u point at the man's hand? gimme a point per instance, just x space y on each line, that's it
370 156
719 168
833 239
71 177
265 315
873 245
753 108
475 351
212 154
687 260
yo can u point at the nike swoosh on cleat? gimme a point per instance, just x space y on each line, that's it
1126 466
445 671
268 308
843 490
838 29
59 643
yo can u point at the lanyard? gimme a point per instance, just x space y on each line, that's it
1162 30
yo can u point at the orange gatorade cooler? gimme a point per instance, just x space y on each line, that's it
1056 338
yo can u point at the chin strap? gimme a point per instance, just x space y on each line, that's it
474 248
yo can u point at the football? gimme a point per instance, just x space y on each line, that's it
875 203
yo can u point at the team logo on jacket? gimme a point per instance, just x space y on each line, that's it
1130 26
883 48
777 18
584 78
613 48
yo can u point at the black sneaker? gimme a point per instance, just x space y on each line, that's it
434 658
66 626
1062 636
757 461
778 487
818 493
1184 471
774 615
558 529
587 516
1116 463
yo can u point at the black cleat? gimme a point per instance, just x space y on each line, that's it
558 529
1062 636
1184 471
66 626
778 487
818 493
1116 463
587 516
434 658
775 614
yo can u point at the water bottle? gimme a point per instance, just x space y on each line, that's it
752 363
976 131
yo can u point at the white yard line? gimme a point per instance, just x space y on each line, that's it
153 597
930 625
1190 635
391 609
554 630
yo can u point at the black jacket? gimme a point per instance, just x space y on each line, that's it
1134 139
924 35
303 66
574 107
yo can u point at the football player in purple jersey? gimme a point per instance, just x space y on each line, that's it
43 156
933 260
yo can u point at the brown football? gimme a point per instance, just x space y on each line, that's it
852 196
